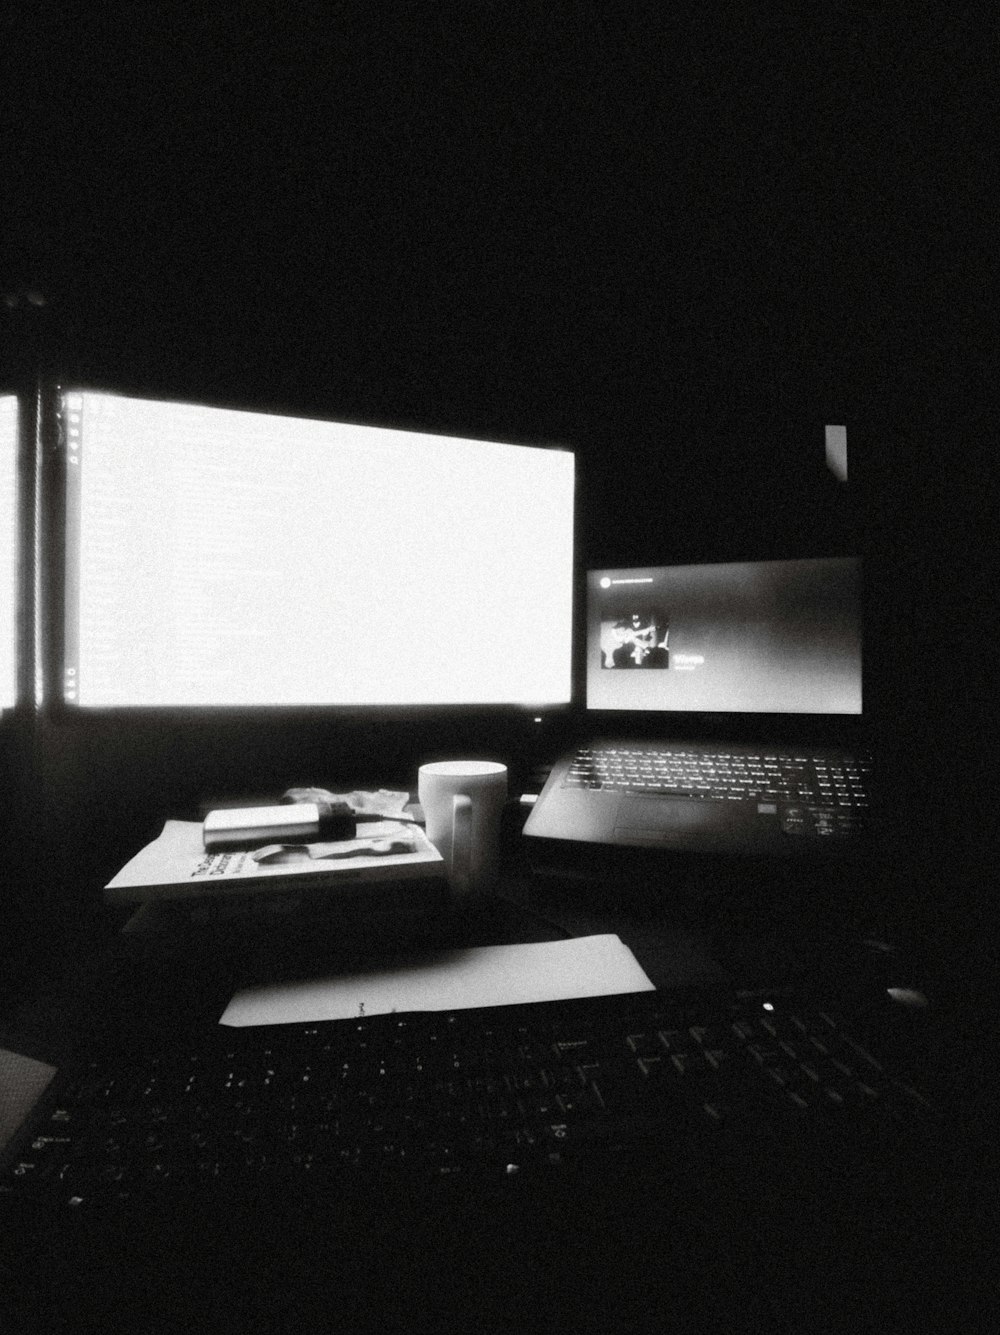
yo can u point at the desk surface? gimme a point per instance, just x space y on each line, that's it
698 920
703 923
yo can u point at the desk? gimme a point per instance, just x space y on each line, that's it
713 924
599 1252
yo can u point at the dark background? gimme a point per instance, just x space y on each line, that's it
675 238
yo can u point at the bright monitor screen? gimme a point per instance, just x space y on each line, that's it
221 557
8 550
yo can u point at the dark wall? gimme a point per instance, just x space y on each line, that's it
581 219
676 238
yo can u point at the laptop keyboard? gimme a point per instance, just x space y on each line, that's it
458 1093
834 790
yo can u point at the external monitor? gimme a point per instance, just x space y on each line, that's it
217 557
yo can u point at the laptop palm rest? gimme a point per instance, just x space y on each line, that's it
658 820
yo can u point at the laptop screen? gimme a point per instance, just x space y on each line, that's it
765 637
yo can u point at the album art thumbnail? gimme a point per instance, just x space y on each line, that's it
636 640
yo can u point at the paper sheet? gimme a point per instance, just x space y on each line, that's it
588 966
382 840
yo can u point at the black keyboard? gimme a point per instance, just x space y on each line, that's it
793 775
830 791
501 1092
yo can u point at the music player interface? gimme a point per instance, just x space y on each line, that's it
755 637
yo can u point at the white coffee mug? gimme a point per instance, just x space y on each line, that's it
463 802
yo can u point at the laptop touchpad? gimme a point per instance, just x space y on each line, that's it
660 819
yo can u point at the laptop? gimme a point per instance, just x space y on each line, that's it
723 715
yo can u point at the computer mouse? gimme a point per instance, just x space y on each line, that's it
908 997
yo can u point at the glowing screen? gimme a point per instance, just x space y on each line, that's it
218 557
8 551
780 637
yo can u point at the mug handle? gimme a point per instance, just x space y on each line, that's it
461 844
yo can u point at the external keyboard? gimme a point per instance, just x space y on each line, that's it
500 1092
